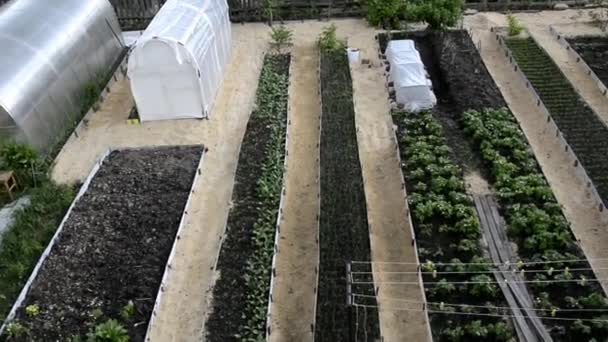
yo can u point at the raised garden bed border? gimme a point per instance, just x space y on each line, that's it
54 239
580 170
577 57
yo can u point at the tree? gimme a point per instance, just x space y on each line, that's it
438 14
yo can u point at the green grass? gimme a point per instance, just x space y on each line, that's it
27 237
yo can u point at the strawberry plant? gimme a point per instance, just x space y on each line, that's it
535 222
446 225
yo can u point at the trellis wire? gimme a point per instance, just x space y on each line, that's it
490 307
424 309
592 280
439 264
485 272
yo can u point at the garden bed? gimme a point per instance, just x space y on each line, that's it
109 254
503 157
442 211
594 51
540 230
240 295
343 228
581 127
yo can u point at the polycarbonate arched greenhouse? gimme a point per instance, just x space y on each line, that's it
50 51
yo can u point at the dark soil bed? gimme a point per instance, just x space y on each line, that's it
230 292
594 51
343 229
114 246
460 82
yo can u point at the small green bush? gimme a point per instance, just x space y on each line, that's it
328 41
110 331
385 13
17 156
515 28
16 329
438 14
281 37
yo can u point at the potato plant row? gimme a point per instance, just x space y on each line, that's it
241 294
582 128
537 225
343 228
448 234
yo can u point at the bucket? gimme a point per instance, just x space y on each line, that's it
353 55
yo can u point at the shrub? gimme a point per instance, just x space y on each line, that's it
281 37
385 13
17 156
110 331
328 41
438 14
16 329
515 27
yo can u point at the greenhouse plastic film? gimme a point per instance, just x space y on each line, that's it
412 87
199 35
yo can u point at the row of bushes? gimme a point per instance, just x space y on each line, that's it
448 232
536 223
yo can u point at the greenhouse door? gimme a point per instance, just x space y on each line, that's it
166 86
182 93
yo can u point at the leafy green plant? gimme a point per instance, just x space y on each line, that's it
16 329
281 37
272 100
515 27
328 41
128 311
438 14
32 310
385 13
17 156
109 331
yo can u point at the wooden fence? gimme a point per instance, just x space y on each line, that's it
137 14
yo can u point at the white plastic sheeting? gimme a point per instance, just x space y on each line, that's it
177 65
412 87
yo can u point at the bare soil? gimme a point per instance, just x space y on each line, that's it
114 245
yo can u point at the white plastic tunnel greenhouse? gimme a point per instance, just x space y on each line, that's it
177 65
413 88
